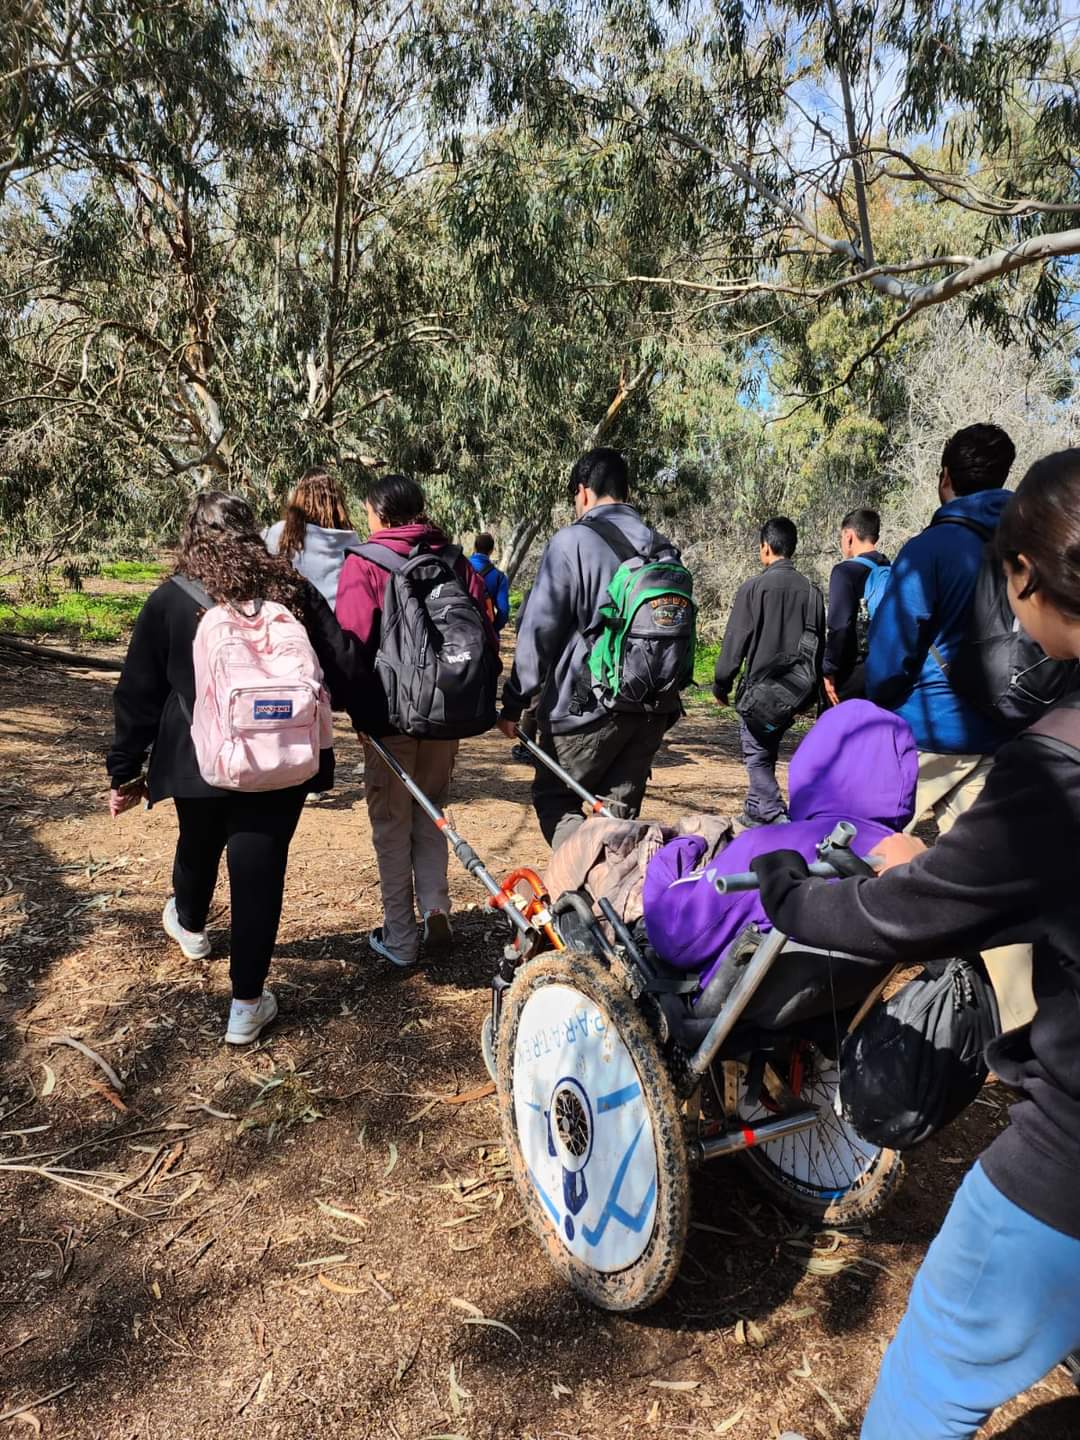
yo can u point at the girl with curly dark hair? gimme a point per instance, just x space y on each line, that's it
222 556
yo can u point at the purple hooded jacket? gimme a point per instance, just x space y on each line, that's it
858 763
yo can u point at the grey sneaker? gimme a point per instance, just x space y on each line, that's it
377 944
194 943
247 1021
438 932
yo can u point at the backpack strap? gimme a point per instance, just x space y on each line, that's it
1059 728
871 565
984 532
485 570
623 548
810 638
193 590
380 555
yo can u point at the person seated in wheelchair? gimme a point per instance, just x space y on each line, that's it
858 763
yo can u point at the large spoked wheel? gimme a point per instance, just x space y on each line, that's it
593 1131
829 1173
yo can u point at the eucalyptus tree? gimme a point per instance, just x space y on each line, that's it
777 124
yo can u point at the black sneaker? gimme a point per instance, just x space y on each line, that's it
754 822
521 755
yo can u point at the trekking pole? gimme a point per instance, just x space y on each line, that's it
502 896
596 806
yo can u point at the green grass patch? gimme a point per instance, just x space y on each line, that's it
75 615
133 571
705 662
516 597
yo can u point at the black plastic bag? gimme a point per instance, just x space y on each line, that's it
916 1060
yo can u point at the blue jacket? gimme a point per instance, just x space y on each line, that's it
496 584
928 602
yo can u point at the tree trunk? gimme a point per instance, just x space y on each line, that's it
524 533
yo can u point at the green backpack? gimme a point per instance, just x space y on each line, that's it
642 651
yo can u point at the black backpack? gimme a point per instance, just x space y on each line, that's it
435 661
916 1060
998 668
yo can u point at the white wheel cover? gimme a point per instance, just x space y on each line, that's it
584 1131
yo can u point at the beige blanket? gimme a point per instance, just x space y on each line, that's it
609 857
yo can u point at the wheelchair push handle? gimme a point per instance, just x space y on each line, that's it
747 880
836 861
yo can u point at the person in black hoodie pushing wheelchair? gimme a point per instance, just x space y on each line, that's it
996 1302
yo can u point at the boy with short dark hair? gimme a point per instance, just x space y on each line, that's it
844 662
609 751
923 618
773 614
495 581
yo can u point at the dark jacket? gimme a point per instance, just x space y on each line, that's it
927 602
846 585
570 586
770 614
159 673
1005 872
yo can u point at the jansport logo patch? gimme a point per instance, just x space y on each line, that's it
273 710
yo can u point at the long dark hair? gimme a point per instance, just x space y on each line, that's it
397 500
221 548
1042 523
317 500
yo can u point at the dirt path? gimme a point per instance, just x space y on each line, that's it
311 1232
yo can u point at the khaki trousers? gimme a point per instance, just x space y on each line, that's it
411 853
948 786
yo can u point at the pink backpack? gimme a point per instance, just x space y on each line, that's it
261 711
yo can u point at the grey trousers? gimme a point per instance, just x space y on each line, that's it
763 798
612 758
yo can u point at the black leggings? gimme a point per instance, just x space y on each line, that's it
257 829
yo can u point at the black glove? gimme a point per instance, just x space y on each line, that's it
781 874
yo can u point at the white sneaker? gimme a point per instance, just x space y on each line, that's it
377 944
194 943
246 1021
438 932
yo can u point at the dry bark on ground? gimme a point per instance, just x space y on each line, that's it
310 1237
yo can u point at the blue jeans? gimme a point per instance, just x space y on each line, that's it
994 1307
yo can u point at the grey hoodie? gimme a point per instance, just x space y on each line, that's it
570 586
322 557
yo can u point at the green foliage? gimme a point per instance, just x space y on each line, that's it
134 572
469 241
705 658
74 616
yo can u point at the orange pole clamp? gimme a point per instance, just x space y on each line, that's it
534 908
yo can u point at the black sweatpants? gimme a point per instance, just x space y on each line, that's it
257 829
612 758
